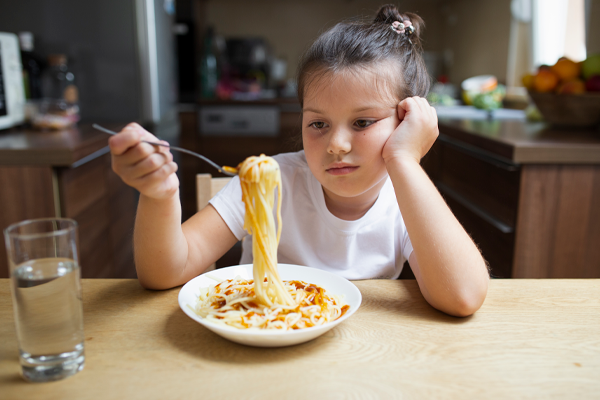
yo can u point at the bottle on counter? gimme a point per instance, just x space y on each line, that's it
59 81
59 108
32 67
208 68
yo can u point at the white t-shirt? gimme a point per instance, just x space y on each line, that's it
374 246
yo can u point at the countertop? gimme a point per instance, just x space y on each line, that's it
522 142
512 141
530 339
54 148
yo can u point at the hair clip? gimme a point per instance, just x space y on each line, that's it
398 27
405 27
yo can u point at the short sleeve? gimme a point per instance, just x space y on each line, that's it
228 203
407 247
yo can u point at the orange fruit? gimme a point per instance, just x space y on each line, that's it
575 86
543 67
545 81
566 69
527 81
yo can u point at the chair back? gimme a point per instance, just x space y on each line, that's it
207 187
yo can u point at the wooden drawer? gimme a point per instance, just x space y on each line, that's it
82 186
104 208
488 183
483 193
497 246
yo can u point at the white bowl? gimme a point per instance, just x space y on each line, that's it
333 284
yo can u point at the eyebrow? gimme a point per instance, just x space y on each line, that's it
355 110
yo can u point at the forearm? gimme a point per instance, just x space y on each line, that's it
450 266
160 247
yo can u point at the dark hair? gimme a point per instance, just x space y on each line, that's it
350 45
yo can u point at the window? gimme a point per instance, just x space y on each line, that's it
541 32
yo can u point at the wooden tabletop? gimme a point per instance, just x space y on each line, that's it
531 339
56 148
525 142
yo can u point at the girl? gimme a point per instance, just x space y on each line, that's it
355 201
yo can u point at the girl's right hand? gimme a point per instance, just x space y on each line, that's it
147 168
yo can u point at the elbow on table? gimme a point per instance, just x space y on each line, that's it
466 304
152 282
152 285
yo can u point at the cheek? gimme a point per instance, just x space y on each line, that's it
373 141
312 148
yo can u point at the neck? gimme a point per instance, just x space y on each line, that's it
352 208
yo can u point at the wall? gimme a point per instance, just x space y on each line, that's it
474 33
477 34
99 39
290 26
593 38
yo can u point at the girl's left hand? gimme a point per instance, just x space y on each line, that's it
416 133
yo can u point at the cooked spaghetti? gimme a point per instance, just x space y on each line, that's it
266 301
233 302
259 176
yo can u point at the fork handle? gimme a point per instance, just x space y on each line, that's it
200 156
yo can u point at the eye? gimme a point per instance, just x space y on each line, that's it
364 123
318 125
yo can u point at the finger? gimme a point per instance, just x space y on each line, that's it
164 149
408 104
423 105
135 154
147 165
124 140
401 112
434 116
156 177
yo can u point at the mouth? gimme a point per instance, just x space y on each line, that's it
341 169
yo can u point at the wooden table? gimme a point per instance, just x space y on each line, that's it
531 339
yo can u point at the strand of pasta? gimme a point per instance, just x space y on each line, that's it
259 176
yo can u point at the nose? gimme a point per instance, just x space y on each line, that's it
340 141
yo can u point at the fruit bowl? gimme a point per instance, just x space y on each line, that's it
576 110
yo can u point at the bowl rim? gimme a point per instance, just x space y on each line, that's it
186 308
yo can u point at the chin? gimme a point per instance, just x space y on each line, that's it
345 187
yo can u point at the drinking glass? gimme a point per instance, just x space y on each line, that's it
46 292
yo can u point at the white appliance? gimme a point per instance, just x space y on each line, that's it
12 93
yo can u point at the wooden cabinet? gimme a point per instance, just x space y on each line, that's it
529 219
85 190
483 195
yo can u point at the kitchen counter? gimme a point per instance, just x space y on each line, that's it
521 142
56 148
67 173
530 339
527 193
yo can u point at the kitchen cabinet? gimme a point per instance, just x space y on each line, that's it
68 174
528 194
230 148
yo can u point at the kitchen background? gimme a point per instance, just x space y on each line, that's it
217 76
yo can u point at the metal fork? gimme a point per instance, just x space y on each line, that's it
230 171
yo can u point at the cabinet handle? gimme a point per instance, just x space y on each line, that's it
469 205
482 155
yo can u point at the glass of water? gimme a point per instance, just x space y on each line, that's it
46 291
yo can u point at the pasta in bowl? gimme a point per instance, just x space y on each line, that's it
295 331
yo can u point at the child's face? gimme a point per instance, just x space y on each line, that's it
345 125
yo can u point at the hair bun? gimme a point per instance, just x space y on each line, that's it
388 13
